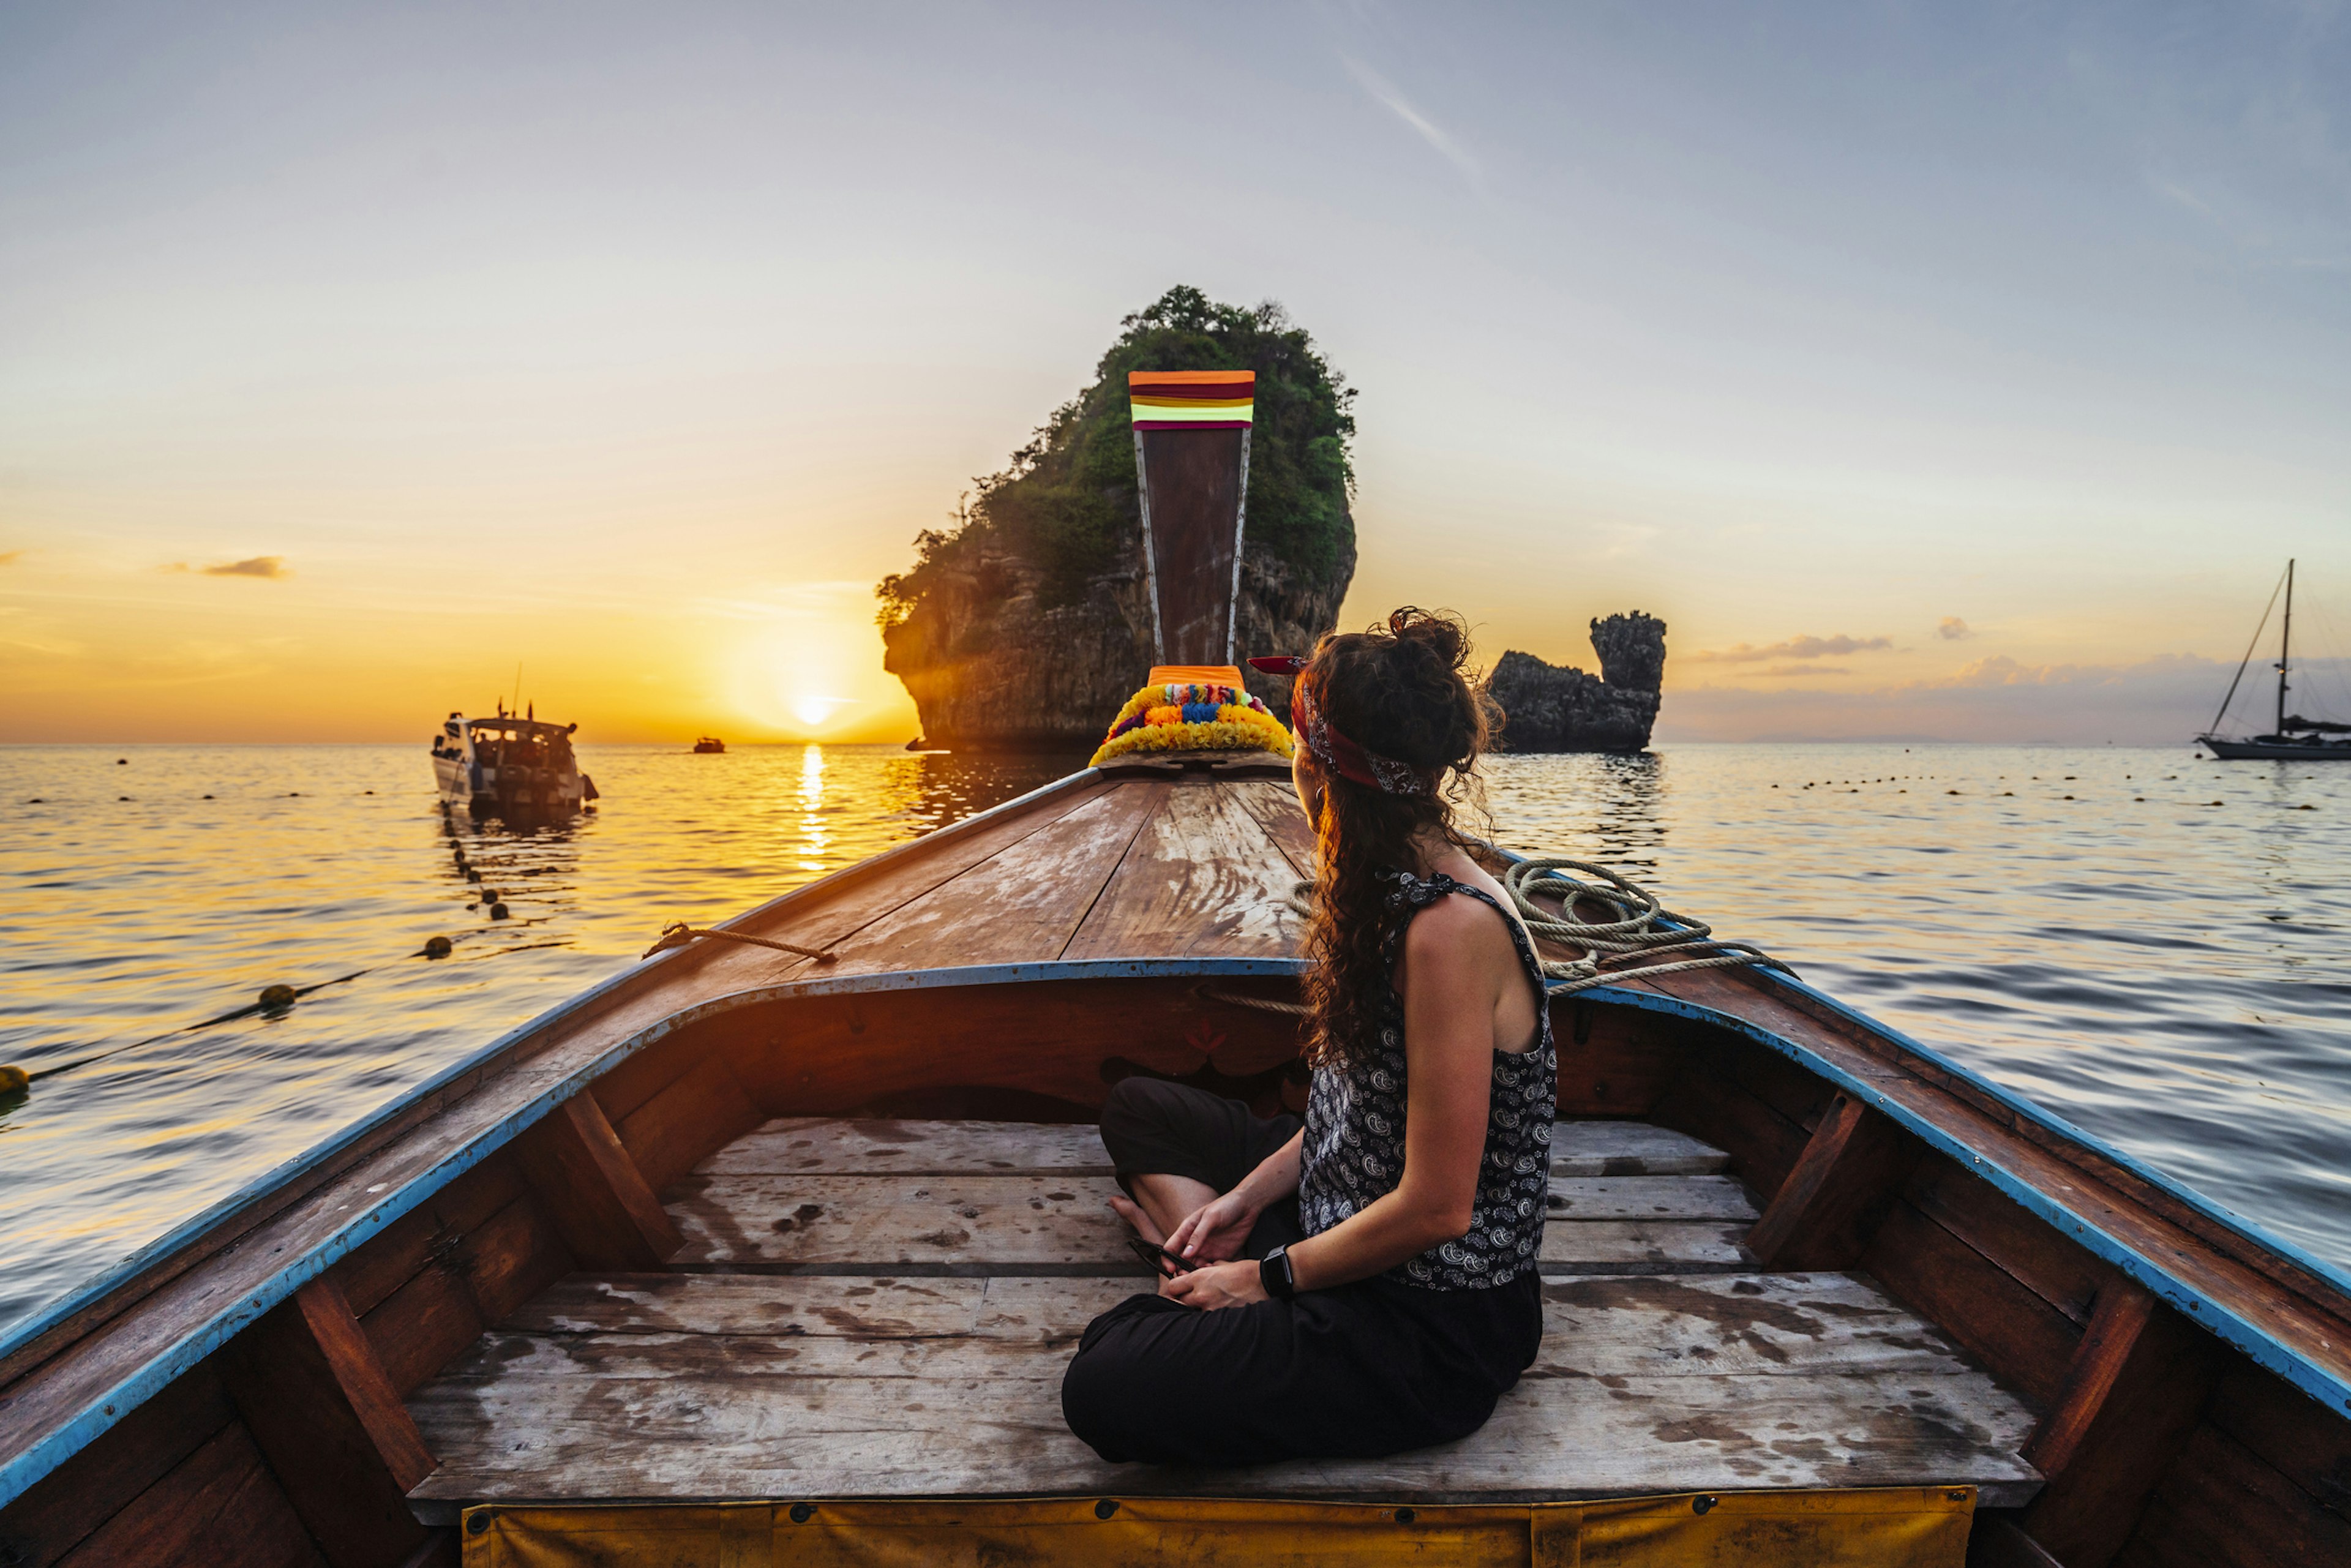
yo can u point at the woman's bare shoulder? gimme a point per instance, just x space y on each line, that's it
1460 927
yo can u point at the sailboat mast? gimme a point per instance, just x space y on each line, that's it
2285 646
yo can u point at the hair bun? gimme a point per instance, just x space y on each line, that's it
1440 633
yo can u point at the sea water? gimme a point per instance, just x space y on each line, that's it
2152 946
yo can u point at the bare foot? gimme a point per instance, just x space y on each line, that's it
1131 1212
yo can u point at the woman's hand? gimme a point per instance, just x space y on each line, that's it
1218 1285
1216 1230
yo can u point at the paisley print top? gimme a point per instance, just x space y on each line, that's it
1353 1151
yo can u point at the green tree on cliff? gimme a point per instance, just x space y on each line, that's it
1066 502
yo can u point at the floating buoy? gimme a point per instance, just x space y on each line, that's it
438 946
367 791
473 875
122 762
34 802
208 797
497 912
277 995
123 797
292 794
15 1081
491 896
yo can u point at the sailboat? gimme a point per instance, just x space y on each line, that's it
2296 738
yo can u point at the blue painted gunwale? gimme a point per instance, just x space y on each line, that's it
104 1411
25 1468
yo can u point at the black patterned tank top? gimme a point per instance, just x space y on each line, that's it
1353 1151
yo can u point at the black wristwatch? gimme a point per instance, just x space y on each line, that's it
1274 1273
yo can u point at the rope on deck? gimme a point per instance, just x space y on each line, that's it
1634 934
681 935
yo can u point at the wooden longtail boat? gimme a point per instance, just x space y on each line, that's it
749 1257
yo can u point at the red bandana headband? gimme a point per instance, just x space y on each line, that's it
1334 750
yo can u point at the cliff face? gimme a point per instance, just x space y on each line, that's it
1550 708
991 666
1026 625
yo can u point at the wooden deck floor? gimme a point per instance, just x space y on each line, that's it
884 1308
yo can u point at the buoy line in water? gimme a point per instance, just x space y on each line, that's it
275 1000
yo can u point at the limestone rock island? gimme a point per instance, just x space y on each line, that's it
1026 625
1550 708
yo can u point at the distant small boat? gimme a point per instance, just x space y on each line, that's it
510 764
2296 738
709 745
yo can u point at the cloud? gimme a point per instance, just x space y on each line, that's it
1794 648
1953 630
1384 92
269 566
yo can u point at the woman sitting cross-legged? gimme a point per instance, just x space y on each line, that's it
1364 1283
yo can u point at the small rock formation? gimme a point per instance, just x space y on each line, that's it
1548 708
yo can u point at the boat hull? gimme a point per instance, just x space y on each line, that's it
1009 969
2278 750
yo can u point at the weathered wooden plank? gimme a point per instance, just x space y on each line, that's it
2136 1388
2022 1338
607 1215
1630 1148
1024 1219
718 1304
70 1502
1825 1212
704 1110
1649 1198
1644 1246
737 1434
2051 1265
218 1505
1024 903
2220 1507
1275 805
2281 1299
473 1282
871 895
1202 875
1055 1219
324 1412
1763 1145
2286 1429
1612 1062
813 1144
1788 1325
431 1229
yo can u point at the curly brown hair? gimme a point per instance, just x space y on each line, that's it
1402 690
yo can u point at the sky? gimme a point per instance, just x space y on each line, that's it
1964 371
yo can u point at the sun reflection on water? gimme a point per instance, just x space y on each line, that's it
813 837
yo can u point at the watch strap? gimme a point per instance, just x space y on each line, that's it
1273 1272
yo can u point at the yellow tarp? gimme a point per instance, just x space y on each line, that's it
1904 1527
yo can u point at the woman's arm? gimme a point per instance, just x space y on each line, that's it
1458 960
1217 1228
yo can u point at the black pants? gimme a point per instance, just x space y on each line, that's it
1357 1371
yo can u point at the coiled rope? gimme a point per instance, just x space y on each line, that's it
1635 933
1642 928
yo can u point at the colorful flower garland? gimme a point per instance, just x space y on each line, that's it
1179 717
